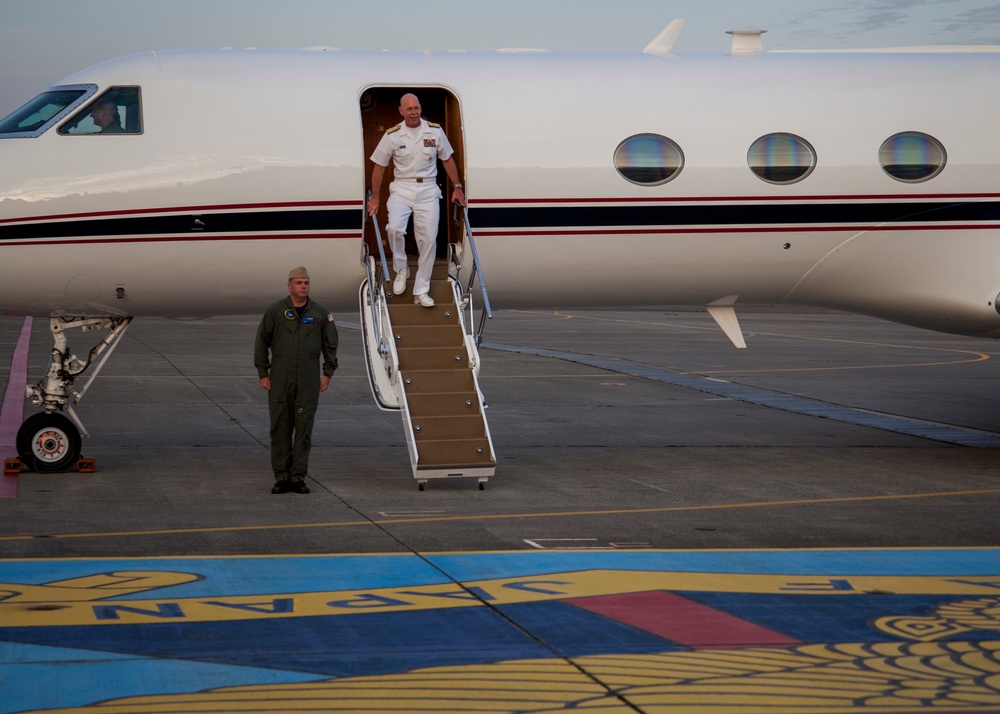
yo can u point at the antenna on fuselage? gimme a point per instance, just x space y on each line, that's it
663 44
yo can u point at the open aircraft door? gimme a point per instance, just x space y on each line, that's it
380 111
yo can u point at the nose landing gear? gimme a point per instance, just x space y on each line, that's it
50 441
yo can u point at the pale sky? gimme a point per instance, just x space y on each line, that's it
42 41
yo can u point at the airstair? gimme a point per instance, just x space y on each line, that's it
424 362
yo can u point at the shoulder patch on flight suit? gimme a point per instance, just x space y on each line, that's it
395 128
432 124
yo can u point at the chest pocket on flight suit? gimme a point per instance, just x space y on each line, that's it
313 337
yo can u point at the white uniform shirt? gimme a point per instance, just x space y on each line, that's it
414 152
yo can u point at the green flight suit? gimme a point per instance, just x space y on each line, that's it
287 350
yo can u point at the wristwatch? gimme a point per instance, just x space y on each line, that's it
458 185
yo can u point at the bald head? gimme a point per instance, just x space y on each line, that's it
409 109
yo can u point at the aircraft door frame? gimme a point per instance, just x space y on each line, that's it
379 108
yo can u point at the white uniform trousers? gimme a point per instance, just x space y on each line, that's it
423 201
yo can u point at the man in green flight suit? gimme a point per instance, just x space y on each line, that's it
295 331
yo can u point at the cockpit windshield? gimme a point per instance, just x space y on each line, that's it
116 111
44 110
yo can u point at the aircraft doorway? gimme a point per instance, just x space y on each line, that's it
379 112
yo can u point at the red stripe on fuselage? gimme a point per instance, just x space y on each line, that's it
195 238
730 199
731 229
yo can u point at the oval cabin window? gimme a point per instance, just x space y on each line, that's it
648 159
912 157
781 158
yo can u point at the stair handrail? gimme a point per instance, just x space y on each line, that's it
373 281
477 269
378 238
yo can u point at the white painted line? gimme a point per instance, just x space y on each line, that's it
410 514
555 544
649 485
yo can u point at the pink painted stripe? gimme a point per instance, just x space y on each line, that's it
13 406
684 621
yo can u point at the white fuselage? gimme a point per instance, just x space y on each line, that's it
253 162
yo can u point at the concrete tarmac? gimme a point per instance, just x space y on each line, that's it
178 428
641 442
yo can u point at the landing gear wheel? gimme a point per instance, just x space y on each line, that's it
50 442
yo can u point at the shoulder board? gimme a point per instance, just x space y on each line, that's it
395 128
432 124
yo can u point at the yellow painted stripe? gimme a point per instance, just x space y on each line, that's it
512 516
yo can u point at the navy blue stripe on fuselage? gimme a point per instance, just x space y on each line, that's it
806 214
515 217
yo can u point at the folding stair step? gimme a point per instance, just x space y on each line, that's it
440 292
436 428
454 453
405 313
422 381
407 336
433 358
443 403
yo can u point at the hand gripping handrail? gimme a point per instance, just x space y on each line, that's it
373 281
378 239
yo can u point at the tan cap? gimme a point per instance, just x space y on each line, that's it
299 272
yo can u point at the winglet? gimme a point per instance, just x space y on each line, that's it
723 313
663 44
747 43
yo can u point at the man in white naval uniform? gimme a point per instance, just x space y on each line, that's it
414 147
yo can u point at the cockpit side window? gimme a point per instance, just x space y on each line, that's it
35 117
116 111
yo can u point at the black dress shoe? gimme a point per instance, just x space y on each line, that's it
299 487
282 486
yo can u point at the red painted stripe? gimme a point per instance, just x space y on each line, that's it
727 199
682 620
13 406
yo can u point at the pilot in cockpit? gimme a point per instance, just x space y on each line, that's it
106 116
